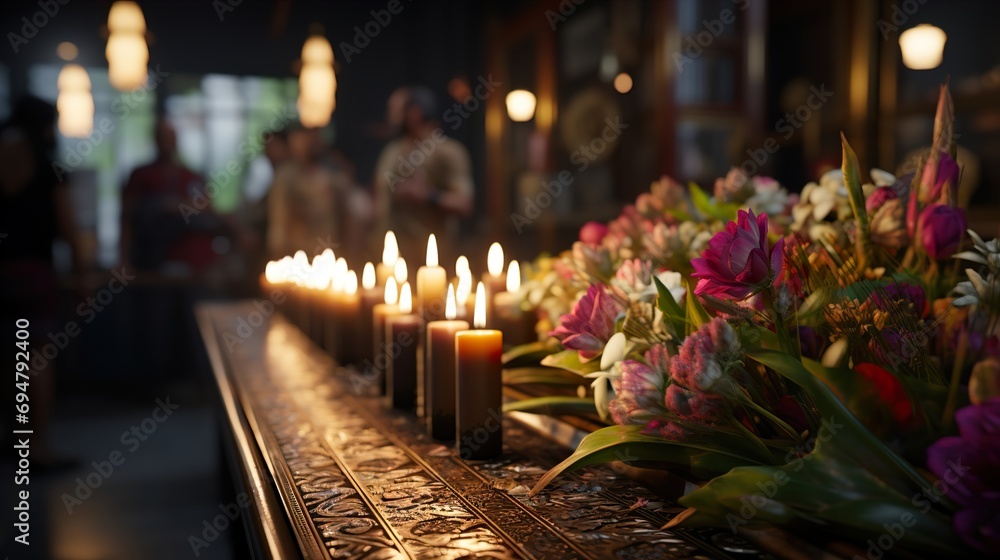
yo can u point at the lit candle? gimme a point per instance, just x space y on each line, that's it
380 313
390 253
431 282
401 335
370 297
297 297
439 395
479 429
494 278
517 326
349 313
463 293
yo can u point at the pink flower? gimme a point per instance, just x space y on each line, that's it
737 262
879 197
639 389
942 229
702 360
592 233
590 325
692 405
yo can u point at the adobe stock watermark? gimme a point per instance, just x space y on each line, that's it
796 459
33 23
132 439
223 7
457 114
787 126
582 157
896 530
694 46
363 34
565 9
79 151
210 531
221 180
899 14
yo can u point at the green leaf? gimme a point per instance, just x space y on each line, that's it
541 376
696 314
569 360
852 178
722 211
628 443
530 354
676 318
553 406
852 436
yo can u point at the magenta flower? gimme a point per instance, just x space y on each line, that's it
947 174
967 465
942 229
737 262
692 405
880 197
640 388
590 325
592 233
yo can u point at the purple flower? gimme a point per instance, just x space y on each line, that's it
942 229
967 465
701 361
879 197
692 405
737 262
590 325
640 388
947 174
592 233
895 294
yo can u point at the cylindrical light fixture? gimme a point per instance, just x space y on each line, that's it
922 46
75 102
317 83
127 53
520 105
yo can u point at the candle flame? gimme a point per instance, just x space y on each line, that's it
390 250
327 254
513 277
494 260
479 317
450 309
399 271
351 283
432 250
391 294
464 289
273 273
368 276
462 263
405 299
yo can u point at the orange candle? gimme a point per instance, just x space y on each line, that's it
517 326
431 282
439 390
495 279
402 333
370 297
390 253
478 424
380 314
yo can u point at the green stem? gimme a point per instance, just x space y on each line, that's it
948 419
778 421
767 455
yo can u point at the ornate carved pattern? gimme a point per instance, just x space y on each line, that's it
375 486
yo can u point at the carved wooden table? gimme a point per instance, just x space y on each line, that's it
332 473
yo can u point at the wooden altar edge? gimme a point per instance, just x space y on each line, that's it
268 529
281 485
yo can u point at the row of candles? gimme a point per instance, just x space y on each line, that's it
417 343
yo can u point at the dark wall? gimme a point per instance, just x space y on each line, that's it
427 41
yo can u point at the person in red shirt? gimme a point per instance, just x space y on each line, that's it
154 230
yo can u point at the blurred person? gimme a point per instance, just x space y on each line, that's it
253 210
423 179
305 199
35 210
155 234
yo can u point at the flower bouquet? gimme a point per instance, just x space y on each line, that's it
826 360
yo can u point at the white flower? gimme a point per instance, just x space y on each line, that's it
671 281
614 351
